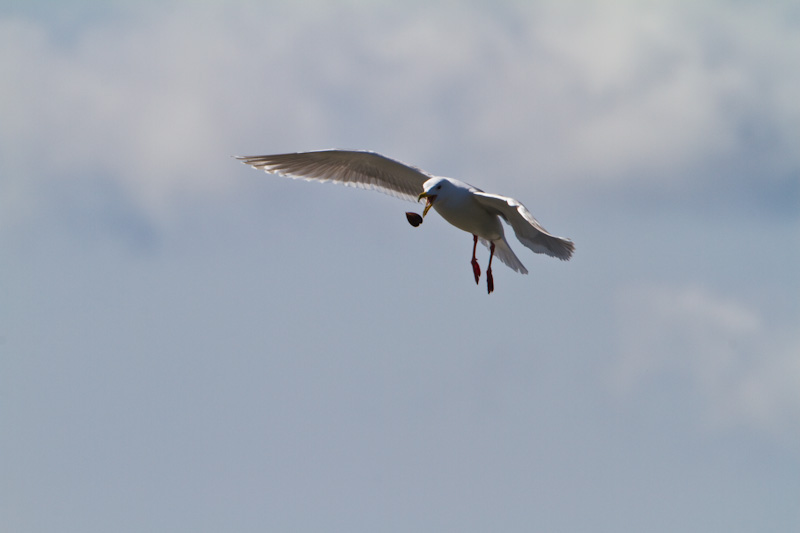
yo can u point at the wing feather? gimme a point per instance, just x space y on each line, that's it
526 228
366 170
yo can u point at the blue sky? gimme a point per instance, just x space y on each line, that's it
187 344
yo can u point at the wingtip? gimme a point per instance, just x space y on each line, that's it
568 249
247 159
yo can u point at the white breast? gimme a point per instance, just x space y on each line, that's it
459 208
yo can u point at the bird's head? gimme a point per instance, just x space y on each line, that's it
431 189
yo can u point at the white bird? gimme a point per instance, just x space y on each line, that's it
462 205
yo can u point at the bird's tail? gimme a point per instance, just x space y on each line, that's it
504 253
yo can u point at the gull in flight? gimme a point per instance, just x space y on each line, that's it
462 205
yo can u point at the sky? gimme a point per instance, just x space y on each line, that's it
188 344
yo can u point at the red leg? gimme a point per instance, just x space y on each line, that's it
489 278
476 269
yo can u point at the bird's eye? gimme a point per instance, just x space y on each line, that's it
438 187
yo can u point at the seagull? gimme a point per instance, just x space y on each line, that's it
462 205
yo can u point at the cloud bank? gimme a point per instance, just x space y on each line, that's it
153 99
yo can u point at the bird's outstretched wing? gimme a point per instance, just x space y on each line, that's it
367 170
527 229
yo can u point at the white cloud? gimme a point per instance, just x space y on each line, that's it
740 369
157 97
646 91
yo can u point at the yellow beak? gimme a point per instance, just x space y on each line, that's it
430 199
